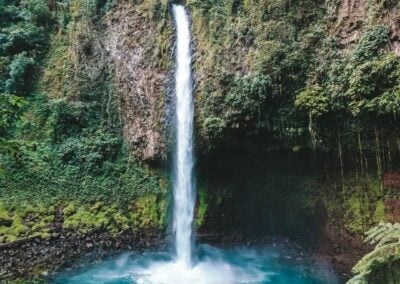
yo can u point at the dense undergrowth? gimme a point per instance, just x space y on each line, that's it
60 127
272 72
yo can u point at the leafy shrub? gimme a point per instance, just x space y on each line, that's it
91 151
24 26
35 11
4 62
18 38
10 111
246 98
313 100
213 127
374 86
21 69
370 43
67 118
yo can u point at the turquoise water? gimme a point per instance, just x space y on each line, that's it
211 266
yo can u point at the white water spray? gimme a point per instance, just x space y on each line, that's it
183 163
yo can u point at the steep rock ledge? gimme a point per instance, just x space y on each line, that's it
138 47
355 15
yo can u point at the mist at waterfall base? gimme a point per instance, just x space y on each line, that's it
272 264
196 264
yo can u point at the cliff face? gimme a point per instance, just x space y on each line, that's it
354 15
139 47
264 66
253 60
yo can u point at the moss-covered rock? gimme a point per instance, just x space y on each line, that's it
5 219
147 211
84 220
359 203
69 210
27 221
16 230
23 221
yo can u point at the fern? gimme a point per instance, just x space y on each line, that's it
381 264
383 234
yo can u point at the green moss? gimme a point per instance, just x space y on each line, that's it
357 203
4 215
40 224
19 230
98 216
202 208
96 207
148 212
82 220
379 214
10 238
102 219
121 220
16 230
69 210
48 219
45 235
353 217
43 225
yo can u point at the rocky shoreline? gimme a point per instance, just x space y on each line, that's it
36 258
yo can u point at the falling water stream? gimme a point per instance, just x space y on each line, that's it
183 162
200 264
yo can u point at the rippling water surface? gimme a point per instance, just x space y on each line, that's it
211 265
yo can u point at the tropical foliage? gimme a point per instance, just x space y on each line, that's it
382 264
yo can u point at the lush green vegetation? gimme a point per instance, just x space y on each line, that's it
274 74
254 57
21 221
60 127
24 27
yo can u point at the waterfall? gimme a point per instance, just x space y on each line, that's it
212 265
183 185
